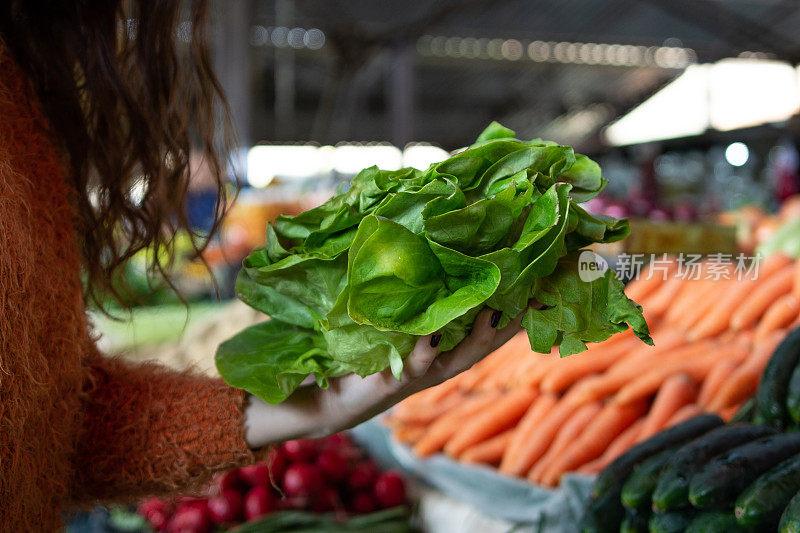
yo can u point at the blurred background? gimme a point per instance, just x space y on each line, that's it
690 106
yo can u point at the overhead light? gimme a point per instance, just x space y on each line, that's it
678 110
737 154
729 94
265 163
350 159
421 156
748 92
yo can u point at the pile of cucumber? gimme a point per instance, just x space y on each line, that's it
705 476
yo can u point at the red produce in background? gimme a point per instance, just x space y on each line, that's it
320 476
258 502
390 489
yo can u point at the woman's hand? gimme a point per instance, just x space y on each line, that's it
313 412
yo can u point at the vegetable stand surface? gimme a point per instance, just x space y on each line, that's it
743 476
580 413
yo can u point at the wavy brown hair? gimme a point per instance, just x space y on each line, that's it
129 91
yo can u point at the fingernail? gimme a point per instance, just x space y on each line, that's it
495 318
435 340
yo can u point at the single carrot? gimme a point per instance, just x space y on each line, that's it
409 433
570 431
531 362
426 414
427 397
505 412
635 365
573 369
744 381
710 296
538 373
696 367
780 314
678 390
667 340
762 297
715 380
618 446
475 375
718 317
499 377
690 295
489 451
727 413
657 303
444 428
531 440
529 423
774 263
684 413
612 420
649 280
796 281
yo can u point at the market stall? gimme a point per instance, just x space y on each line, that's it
648 243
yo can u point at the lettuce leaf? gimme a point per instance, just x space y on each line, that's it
351 284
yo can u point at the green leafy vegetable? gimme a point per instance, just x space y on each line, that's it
351 284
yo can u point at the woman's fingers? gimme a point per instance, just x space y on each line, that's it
420 359
483 340
352 399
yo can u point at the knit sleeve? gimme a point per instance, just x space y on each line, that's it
150 430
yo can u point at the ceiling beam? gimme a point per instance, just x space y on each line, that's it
744 33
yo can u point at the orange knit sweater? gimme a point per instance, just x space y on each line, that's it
75 426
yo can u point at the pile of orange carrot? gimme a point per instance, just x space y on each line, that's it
540 416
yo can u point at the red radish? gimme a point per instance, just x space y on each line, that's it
226 507
363 475
191 519
390 489
362 503
195 503
325 500
153 504
301 479
296 503
300 450
333 465
258 502
337 440
277 463
158 519
226 480
257 474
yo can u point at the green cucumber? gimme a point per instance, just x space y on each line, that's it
719 483
793 395
604 515
638 489
790 519
762 503
674 522
715 522
672 489
612 477
774 386
635 522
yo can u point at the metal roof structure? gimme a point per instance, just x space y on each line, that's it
440 70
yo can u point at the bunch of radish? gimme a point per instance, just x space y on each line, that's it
320 476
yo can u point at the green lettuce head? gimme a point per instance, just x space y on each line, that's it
351 284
